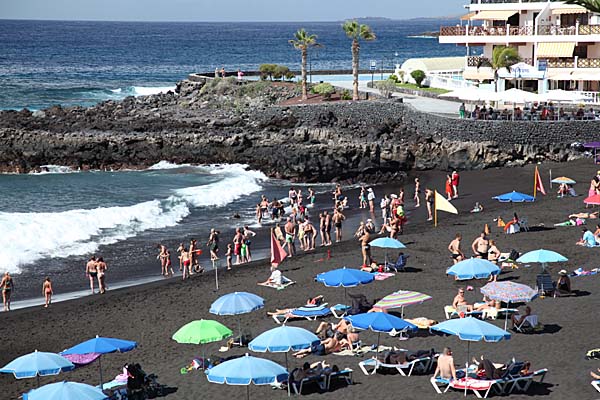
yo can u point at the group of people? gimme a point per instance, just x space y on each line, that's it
482 247
95 270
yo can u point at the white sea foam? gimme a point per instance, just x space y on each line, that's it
28 237
148 90
53 169
166 165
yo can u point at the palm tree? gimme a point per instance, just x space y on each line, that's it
591 5
357 32
502 57
303 41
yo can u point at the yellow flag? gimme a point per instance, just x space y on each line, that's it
441 204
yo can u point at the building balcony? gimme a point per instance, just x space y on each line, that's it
475 61
574 63
516 33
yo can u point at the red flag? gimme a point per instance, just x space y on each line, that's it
538 184
278 254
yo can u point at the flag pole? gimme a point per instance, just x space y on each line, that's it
550 179
434 208
535 182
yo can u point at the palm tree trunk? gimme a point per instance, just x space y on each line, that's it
304 83
355 64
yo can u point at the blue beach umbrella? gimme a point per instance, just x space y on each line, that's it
345 277
472 330
514 197
380 322
387 243
283 339
101 345
247 370
65 391
237 303
473 268
37 364
543 257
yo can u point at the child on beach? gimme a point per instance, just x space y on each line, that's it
47 291
229 256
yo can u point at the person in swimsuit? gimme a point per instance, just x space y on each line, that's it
290 236
311 196
429 198
327 228
293 195
364 240
417 197
279 234
238 239
455 179
459 300
455 250
327 346
337 193
480 246
101 267
184 257
192 256
47 291
162 256
371 200
310 236
213 244
7 285
448 187
248 235
179 249
493 256
445 365
258 213
168 265
228 256
91 272
338 218
362 198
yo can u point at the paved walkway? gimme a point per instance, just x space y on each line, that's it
424 104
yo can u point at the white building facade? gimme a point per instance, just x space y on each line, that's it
561 41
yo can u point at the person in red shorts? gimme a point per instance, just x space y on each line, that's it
455 181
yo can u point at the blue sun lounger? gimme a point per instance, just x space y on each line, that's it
310 313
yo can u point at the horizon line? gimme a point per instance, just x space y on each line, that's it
230 21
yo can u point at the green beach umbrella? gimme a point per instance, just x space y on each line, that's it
201 332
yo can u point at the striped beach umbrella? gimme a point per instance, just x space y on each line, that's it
563 179
400 299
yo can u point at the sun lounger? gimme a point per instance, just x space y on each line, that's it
340 310
493 312
297 386
596 384
528 324
420 365
480 387
345 375
544 284
309 313
521 383
440 383
452 312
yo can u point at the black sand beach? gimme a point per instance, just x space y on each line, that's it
151 313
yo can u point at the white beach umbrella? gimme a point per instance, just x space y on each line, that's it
518 96
563 96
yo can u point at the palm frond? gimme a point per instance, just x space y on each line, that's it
591 5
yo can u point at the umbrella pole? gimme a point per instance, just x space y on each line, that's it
248 392
467 365
100 368
38 380
216 275
506 315
345 296
377 351
286 362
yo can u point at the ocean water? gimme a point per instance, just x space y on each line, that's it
43 63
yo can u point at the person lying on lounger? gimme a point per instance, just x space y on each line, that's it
459 300
595 375
517 319
585 215
347 331
311 302
327 346
315 369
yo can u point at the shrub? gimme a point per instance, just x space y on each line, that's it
267 71
419 76
346 95
280 71
289 76
386 87
393 78
324 89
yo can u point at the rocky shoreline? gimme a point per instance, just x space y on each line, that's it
222 121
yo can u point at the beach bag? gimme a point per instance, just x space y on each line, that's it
593 354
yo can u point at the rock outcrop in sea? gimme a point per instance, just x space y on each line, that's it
221 121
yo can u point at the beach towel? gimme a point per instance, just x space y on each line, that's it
82 359
276 286
382 276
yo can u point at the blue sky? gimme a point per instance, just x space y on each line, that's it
228 10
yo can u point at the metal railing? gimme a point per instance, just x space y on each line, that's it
588 63
559 63
543 30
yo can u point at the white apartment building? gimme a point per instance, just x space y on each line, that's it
560 41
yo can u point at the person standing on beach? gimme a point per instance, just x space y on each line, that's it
213 244
223 74
337 194
290 236
480 246
91 272
248 235
240 75
417 197
184 257
163 257
293 196
462 111
455 250
362 198
371 199
364 240
228 256
311 197
238 239
327 228
455 181
7 285
448 188
338 218
429 199
47 291
101 267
